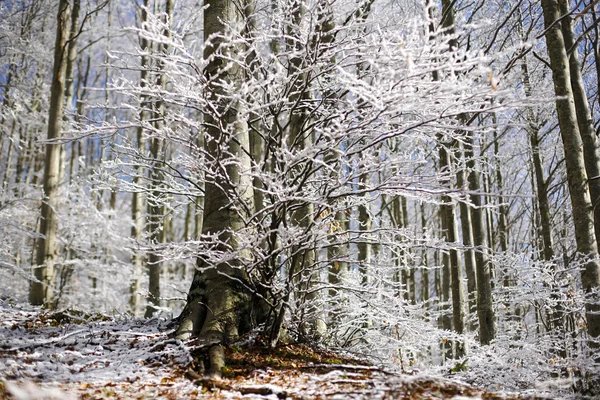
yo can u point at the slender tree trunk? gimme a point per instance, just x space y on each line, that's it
9 155
425 292
65 272
448 208
485 310
542 196
448 213
467 240
76 147
503 233
541 186
157 222
338 266
6 104
364 226
155 225
42 291
137 201
408 272
596 46
300 138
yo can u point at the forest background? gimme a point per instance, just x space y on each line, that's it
411 181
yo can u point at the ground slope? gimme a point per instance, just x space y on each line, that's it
70 355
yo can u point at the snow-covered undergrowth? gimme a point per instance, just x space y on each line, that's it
70 354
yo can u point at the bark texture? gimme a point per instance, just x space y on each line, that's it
577 178
42 291
137 201
585 122
219 304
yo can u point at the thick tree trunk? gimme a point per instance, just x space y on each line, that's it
585 122
42 291
582 208
218 307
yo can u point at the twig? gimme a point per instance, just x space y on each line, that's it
51 341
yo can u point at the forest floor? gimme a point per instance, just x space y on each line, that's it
73 355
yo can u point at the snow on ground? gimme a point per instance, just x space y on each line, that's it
70 355
79 353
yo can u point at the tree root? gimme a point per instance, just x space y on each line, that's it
216 358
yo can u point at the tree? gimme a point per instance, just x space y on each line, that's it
585 122
156 225
218 307
294 158
137 200
42 289
582 208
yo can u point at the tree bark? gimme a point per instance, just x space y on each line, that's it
585 122
425 292
485 310
581 204
448 208
137 200
156 222
467 240
218 307
42 291
364 226
450 226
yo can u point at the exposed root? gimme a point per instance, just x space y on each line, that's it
216 356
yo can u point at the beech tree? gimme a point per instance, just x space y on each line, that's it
286 170
218 305
42 289
583 213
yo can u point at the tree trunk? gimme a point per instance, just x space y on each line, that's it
467 240
485 310
157 224
542 196
218 307
448 208
585 122
503 233
582 208
364 226
425 293
65 272
337 253
137 200
42 291
450 226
